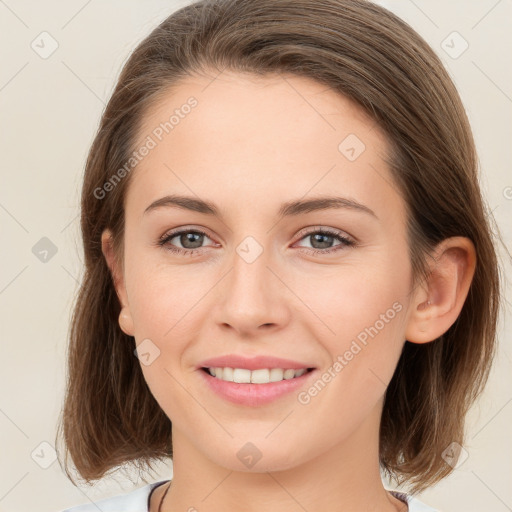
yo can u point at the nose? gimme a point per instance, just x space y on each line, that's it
253 297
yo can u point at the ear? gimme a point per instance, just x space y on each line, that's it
125 316
437 304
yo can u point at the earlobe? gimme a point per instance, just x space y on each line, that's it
126 321
436 305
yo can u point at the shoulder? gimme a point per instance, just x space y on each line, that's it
413 504
133 501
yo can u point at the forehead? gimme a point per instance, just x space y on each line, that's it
249 138
274 102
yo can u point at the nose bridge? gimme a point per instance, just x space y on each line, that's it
250 278
253 295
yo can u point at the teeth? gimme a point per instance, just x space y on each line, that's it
263 376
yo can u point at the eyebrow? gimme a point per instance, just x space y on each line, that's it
291 208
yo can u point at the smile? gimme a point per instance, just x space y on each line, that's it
259 376
255 387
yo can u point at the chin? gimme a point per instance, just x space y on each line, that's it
253 458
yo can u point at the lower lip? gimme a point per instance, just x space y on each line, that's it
254 394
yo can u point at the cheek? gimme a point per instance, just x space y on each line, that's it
162 306
160 295
354 298
364 308
167 305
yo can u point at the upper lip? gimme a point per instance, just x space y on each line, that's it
252 363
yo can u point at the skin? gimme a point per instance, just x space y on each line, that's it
251 144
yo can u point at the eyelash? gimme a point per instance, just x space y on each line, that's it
164 241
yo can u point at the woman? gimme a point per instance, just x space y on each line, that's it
290 283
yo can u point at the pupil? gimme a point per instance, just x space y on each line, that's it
324 244
189 237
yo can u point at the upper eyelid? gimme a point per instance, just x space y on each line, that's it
178 231
304 232
316 228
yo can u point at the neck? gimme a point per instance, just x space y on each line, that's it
343 477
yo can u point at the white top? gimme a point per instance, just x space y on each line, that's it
138 501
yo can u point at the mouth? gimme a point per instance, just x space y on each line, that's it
257 376
257 387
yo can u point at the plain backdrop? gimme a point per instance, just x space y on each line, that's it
51 98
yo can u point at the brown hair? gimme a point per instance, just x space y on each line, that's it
365 53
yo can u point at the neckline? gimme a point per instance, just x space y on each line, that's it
401 497
155 485
398 495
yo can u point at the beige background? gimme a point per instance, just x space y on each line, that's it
50 108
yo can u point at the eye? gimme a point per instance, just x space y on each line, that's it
322 239
190 240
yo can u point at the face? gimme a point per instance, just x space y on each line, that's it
327 288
